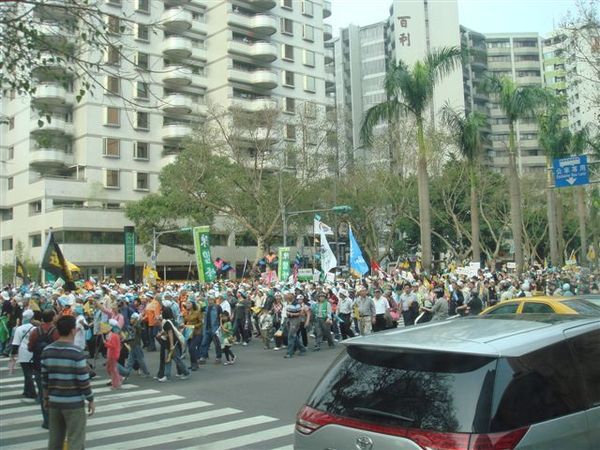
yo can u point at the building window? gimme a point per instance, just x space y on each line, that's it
113 85
142 32
140 150
6 214
113 116
114 25
290 132
111 147
290 105
35 240
287 52
310 135
141 181
142 61
141 90
111 179
11 153
288 78
11 183
308 8
309 58
287 4
35 208
310 84
143 5
308 33
7 244
113 56
141 120
11 123
310 110
287 26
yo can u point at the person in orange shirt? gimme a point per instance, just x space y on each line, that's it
151 315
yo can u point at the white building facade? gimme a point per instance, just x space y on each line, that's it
76 172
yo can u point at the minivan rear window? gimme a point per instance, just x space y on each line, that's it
583 307
437 391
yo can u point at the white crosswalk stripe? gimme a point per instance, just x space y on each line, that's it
138 418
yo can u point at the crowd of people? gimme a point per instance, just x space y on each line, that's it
118 326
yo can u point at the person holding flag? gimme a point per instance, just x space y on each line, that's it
53 261
21 272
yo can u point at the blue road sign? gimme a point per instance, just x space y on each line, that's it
572 171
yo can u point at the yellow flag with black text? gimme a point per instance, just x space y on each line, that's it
53 261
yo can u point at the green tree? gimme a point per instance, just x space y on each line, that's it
409 91
516 102
467 134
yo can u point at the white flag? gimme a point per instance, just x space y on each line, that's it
328 260
320 227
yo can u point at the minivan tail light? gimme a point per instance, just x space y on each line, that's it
310 420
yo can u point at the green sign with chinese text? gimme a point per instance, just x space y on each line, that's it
206 269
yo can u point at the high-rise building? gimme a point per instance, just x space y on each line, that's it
363 55
517 56
75 172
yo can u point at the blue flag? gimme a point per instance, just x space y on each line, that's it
358 265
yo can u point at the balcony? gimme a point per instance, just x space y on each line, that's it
176 19
177 47
263 51
329 80
328 55
177 76
176 131
53 33
261 5
50 157
53 9
50 64
57 125
258 23
254 104
260 78
326 9
176 2
177 104
50 94
327 32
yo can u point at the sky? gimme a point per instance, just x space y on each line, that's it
486 16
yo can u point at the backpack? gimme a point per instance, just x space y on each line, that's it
43 340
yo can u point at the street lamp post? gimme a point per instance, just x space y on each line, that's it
340 209
158 234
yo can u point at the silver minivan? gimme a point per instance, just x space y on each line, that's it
481 383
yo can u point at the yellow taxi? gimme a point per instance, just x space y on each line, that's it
541 305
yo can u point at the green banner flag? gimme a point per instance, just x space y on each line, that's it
206 268
129 240
283 268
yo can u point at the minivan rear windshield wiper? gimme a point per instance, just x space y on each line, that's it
376 412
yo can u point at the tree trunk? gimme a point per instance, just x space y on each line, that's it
581 214
475 248
424 202
551 209
260 247
514 183
558 205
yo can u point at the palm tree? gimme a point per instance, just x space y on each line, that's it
516 102
466 132
553 138
409 91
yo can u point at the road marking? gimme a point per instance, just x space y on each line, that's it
247 439
184 434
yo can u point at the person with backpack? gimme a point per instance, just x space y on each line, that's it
21 353
39 338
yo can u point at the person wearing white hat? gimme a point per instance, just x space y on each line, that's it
113 347
344 311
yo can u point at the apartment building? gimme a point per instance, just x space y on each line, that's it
75 172
519 57
363 54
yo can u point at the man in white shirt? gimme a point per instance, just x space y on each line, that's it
407 298
381 307
23 355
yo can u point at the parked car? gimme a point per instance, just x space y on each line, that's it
486 382
537 305
592 298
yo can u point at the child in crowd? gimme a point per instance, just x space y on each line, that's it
226 338
265 322
113 347
136 354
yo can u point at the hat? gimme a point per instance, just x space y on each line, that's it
5 295
27 314
113 323
566 287
135 316
167 303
